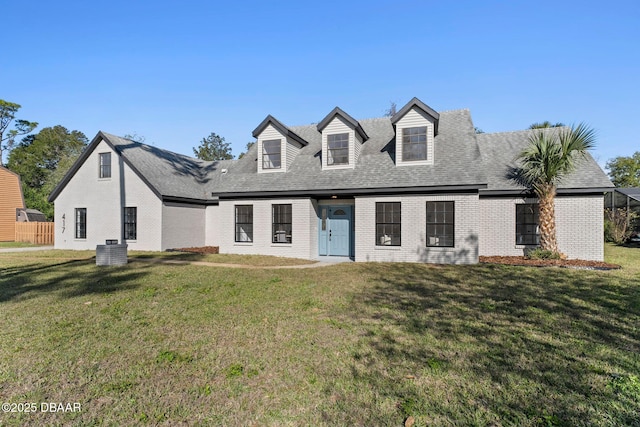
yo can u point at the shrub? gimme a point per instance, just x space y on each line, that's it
540 253
618 225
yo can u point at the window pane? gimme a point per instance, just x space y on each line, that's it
440 224
271 158
388 224
282 224
105 165
338 149
414 143
244 223
527 224
130 223
81 223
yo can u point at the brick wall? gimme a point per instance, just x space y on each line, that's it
304 228
413 241
579 223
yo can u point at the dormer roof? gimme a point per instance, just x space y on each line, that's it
280 127
415 102
347 118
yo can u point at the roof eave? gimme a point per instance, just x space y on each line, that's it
415 102
280 127
337 111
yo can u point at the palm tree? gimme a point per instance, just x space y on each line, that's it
546 124
549 157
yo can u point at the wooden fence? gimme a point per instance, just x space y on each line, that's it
37 233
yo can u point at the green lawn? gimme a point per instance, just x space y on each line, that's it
16 245
350 344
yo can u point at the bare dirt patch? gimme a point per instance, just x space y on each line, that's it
201 250
566 263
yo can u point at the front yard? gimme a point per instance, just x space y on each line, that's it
350 344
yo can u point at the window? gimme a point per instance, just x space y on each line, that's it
440 224
527 221
244 223
130 223
271 158
281 224
388 224
338 149
414 143
81 223
105 165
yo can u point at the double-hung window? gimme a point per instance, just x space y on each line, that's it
271 154
81 223
338 149
388 224
244 223
414 143
527 224
282 224
440 224
130 223
105 165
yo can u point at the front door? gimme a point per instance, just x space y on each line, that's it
334 230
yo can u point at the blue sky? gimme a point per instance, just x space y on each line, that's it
175 71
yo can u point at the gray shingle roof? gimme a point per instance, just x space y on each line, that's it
457 162
462 160
499 154
170 174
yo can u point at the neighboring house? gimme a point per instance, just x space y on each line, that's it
420 186
30 215
11 198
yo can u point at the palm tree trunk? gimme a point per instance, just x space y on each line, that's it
546 202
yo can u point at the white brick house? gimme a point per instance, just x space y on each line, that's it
420 186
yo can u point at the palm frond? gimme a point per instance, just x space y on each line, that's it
552 154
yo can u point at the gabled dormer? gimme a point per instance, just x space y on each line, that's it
342 139
416 125
277 145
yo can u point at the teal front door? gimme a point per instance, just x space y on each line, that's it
334 230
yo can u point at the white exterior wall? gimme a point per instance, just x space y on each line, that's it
303 234
415 118
413 231
288 149
183 225
212 228
102 199
579 224
335 126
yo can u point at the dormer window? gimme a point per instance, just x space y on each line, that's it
277 144
338 149
414 143
271 154
342 139
416 126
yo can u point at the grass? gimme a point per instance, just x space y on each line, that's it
17 245
253 260
350 344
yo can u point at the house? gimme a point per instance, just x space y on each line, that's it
11 198
420 186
